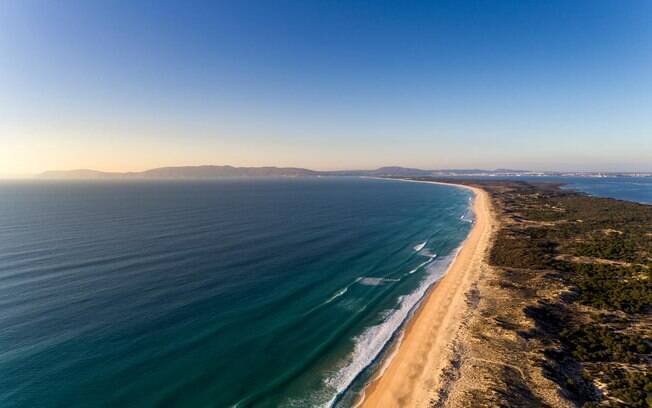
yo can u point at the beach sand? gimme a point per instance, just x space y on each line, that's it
413 377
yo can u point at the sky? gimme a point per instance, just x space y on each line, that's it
127 86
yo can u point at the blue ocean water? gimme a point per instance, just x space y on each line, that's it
638 189
209 294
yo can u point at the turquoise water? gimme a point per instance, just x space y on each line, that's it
211 294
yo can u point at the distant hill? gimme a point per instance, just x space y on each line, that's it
213 172
224 171
185 172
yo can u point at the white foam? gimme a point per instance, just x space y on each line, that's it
420 246
465 219
337 294
371 342
422 264
371 281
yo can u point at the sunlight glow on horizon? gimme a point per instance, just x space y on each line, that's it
328 86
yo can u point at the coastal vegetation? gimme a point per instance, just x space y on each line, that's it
601 251
574 284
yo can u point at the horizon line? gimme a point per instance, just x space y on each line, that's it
452 169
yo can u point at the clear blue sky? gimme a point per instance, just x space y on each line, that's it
115 85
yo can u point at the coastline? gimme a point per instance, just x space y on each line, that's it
412 377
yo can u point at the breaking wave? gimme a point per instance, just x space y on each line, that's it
369 345
420 246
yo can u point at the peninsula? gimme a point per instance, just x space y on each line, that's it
548 304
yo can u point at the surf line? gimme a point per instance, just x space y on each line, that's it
422 264
420 246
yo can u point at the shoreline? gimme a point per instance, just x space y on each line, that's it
411 377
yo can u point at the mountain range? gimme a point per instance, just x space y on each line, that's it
212 172
209 172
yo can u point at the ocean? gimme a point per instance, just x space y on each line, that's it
239 292
637 189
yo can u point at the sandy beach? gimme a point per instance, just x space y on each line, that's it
412 377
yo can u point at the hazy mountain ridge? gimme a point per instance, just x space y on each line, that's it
213 171
182 172
224 171
209 171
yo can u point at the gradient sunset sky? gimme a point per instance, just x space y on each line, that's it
123 85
